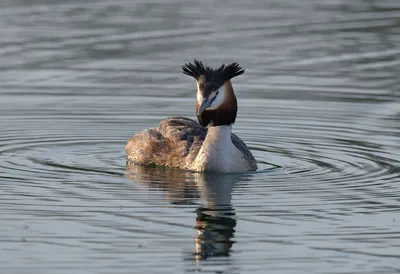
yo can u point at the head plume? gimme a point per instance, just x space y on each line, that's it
216 101
197 69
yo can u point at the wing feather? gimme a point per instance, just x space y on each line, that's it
241 146
175 143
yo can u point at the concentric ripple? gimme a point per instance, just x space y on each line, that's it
320 171
318 106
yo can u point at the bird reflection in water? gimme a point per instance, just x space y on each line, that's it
215 220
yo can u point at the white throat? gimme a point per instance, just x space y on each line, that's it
218 153
220 135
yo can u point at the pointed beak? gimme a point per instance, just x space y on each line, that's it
205 103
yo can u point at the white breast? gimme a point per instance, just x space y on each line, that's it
219 154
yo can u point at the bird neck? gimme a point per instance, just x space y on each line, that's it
219 134
217 152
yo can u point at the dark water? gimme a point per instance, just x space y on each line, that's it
320 99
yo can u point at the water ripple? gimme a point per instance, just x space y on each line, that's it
318 106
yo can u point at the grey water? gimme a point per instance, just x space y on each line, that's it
319 106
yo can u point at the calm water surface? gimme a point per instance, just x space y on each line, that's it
319 106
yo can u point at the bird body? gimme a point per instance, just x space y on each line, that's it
206 145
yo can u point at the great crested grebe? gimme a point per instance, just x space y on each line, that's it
183 143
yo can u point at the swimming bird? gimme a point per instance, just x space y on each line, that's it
206 145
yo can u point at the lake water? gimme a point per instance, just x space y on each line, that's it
319 106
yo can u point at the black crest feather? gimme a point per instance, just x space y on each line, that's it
224 73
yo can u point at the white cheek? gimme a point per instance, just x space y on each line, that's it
199 96
218 100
